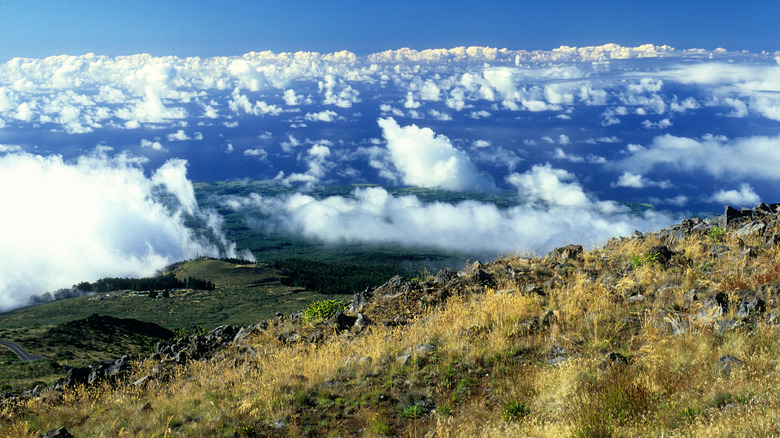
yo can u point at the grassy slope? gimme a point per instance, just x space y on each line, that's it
489 374
244 295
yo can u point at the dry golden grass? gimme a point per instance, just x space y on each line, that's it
489 374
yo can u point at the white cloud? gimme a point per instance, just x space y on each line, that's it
258 153
752 157
149 110
322 116
743 197
575 158
179 135
425 159
661 124
114 225
155 145
438 115
316 159
372 215
550 186
635 181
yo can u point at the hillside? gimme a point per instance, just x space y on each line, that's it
670 333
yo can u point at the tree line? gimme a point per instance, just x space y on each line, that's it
147 284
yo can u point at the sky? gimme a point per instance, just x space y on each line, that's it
577 112
38 28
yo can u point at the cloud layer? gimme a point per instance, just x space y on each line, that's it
67 222
570 131
372 215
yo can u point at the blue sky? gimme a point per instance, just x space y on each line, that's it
40 28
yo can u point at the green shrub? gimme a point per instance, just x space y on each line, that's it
644 259
515 410
716 234
322 310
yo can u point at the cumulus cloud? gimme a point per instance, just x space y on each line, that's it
98 216
372 215
155 145
425 159
743 197
179 135
752 157
322 116
550 186
316 159
635 181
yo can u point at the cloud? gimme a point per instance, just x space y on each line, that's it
630 180
372 215
258 153
425 159
95 217
322 116
575 158
748 157
316 159
550 186
155 145
178 136
745 196
149 110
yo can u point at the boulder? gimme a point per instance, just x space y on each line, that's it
60 432
564 253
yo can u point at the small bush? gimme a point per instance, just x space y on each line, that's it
322 310
515 410
645 259
717 234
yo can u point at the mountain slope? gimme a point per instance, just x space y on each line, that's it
671 333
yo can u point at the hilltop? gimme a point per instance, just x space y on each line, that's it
666 333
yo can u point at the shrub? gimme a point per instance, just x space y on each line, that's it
515 410
645 259
322 310
716 234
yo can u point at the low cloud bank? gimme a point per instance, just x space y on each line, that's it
372 215
66 222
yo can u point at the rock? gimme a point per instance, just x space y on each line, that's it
316 337
342 321
557 355
748 306
358 360
557 360
731 214
77 376
717 250
662 254
477 330
60 432
483 278
360 323
359 300
548 319
403 359
728 363
614 359
751 229
425 349
140 383
444 276
750 252
564 253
